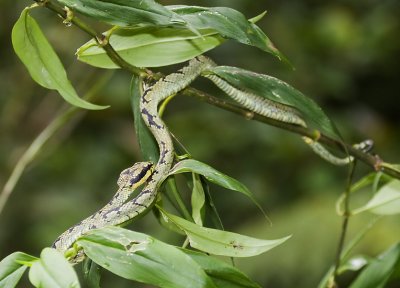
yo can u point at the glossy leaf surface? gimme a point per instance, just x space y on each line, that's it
211 174
11 269
229 23
214 176
52 270
151 47
379 271
126 12
222 243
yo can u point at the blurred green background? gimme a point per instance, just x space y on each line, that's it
346 55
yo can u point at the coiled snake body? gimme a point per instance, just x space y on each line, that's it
120 209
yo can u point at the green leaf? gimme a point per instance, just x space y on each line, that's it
139 257
91 273
52 270
364 182
385 202
379 271
372 178
11 270
214 176
222 243
258 17
223 274
278 91
126 12
395 277
42 62
198 199
229 23
147 143
327 279
161 219
151 47
13 279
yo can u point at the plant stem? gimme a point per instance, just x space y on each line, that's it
345 223
31 153
346 251
37 144
178 198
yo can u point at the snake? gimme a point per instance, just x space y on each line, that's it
277 111
121 209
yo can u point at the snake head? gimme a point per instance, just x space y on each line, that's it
135 175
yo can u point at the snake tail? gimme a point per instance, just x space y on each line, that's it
258 104
276 111
321 151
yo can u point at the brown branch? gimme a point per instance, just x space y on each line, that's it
373 161
98 37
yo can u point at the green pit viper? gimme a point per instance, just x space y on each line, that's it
121 209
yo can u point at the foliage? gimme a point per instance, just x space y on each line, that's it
143 29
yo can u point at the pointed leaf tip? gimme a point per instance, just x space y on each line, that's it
42 62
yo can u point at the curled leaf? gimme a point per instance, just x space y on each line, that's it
126 12
230 24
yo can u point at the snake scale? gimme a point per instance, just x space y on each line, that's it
121 209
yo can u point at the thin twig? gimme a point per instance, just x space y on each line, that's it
345 223
37 144
31 153
171 185
98 37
